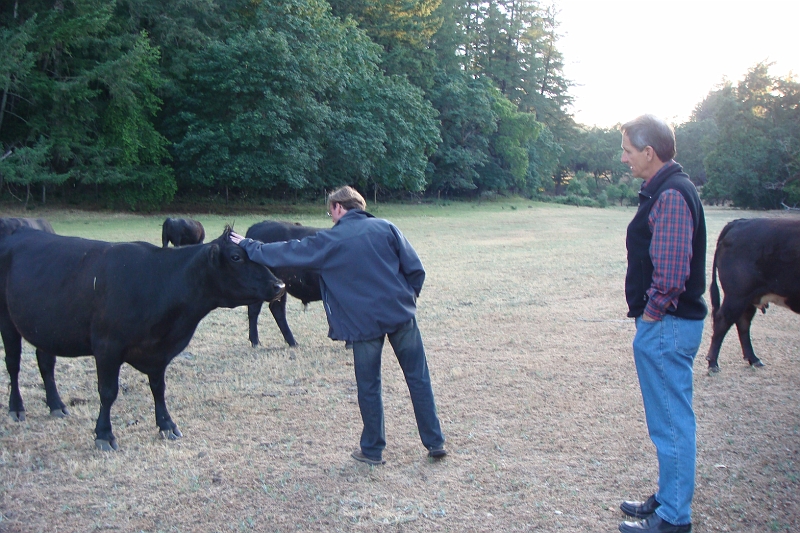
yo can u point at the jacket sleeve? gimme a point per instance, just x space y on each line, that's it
308 253
410 263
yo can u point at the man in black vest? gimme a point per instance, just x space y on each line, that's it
664 287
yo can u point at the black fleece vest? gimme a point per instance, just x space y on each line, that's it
640 267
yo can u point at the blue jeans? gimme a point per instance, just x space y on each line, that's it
664 353
407 345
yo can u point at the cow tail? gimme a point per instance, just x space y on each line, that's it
714 288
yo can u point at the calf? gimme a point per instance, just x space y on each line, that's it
758 261
301 283
10 225
129 303
181 232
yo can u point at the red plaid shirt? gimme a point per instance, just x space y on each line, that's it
672 226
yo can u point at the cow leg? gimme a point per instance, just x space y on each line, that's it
158 386
108 388
252 316
743 327
721 326
12 342
47 368
278 309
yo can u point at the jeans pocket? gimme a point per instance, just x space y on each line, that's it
688 335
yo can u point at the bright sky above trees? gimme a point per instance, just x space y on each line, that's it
633 57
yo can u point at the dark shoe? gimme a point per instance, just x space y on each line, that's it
654 524
358 455
437 452
640 509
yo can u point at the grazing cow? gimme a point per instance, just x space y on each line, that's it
758 261
129 303
301 283
10 225
182 231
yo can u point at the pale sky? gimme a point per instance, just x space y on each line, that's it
628 58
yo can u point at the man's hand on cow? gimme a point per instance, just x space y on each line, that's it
236 238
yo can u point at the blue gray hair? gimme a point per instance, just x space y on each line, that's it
649 130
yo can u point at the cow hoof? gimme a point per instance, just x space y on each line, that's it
17 416
59 413
106 446
171 434
713 370
757 364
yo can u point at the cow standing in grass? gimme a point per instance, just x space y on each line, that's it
302 283
758 263
129 303
182 232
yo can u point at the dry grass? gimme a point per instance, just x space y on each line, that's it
523 318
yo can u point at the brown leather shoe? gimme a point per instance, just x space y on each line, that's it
654 524
640 509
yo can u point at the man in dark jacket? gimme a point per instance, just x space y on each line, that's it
664 287
370 277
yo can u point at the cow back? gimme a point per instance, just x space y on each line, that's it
759 254
10 225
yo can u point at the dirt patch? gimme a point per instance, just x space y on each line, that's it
529 351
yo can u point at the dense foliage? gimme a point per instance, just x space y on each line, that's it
744 142
130 102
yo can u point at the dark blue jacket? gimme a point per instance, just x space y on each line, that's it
370 275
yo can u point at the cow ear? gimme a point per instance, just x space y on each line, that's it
213 254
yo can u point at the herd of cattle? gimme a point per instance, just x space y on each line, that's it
139 304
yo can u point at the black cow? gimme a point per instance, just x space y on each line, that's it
301 283
10 225
759 263
182 231
129 303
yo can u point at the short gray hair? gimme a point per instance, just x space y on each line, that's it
649 130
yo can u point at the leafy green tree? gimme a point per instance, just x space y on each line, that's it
403 28
89 99
597 152
509 148
467 120
300 96
695 140
754 159
544 155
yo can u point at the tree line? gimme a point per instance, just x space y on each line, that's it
134 101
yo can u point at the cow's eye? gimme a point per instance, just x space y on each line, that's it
236 258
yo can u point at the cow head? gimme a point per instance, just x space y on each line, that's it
236 279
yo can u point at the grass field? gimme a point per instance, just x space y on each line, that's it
523 316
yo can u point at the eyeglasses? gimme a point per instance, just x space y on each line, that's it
332 207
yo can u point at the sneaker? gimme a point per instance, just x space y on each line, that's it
437 452
358 455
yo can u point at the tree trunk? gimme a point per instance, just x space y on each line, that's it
27 195
44 189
